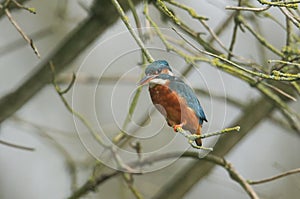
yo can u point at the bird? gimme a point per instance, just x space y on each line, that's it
174 99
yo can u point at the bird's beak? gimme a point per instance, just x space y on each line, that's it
146 79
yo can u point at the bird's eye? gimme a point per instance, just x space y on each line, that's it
159 71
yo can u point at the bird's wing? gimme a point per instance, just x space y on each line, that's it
177 85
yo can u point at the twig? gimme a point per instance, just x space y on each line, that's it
281 92
95 24
91 184
23 34
16 146
70 109
260 38
277 76
290 4
239 8
284 62
46 133
234 175
290 114
201 19
169 47
290 172
129 27
289 15
192 137
183 26
121 135
129 181
234 35
14 45
222 27
31 10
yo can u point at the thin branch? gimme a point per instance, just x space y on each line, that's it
284 62
239 8
222 27
95 24
289 15
18 43
44 133
201 19
234 36
290 4
290 172
96 181
11 6
129 27
16 146
129 181
234 175
23 34
281 92
192 137
70 109
277 75
260 38
19 5
183 26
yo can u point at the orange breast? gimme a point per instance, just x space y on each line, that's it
174 108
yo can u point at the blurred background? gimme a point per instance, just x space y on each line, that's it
107 71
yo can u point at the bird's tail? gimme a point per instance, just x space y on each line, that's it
199 141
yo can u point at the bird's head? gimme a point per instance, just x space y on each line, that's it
154 70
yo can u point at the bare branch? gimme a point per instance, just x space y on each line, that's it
16 146
247 8
290 172
101 18
29 41
96 181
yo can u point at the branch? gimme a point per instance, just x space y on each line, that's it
290 172
96 181
23 34
247 8
10 6
289 4
16 146
195 171
192 137
70 109
101 18
129 27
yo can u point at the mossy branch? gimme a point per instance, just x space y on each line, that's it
192 137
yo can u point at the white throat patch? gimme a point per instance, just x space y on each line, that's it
159 81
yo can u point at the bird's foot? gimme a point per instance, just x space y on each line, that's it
178 127
191 139
200 147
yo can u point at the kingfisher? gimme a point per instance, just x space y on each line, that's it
174 99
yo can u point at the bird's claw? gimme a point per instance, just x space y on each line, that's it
178 128
192 138
200 147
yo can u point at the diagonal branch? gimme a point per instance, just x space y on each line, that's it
10 6
94 25
176 187
23 34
